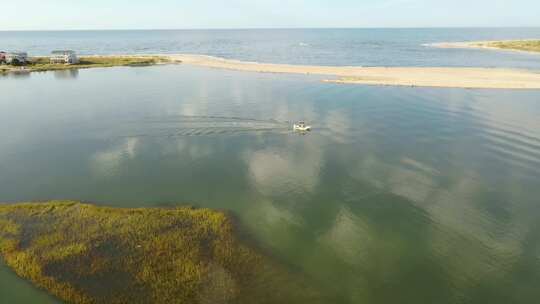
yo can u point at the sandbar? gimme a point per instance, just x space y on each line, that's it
443 77
446 77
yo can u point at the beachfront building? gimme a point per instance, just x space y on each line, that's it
2 57
64 57
16 58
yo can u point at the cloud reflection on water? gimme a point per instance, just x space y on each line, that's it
394 187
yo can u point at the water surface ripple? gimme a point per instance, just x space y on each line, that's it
398 195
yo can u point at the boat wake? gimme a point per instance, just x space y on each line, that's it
181 125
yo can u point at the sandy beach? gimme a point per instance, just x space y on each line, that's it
486 78
445 77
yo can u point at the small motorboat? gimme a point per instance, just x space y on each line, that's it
301 126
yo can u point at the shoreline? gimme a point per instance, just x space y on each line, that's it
442 77
42 64
439 77
485 45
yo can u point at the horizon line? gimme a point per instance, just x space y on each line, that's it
267 28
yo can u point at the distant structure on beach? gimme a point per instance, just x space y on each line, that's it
16 58
64 56
2 57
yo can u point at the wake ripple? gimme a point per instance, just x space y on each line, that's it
183 125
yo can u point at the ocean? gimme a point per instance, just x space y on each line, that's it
341 47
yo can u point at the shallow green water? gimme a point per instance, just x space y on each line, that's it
399 195
14 290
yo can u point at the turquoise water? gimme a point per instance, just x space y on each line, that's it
365 47
398 195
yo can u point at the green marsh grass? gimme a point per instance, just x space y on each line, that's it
40 64
43 63
520 45
82 253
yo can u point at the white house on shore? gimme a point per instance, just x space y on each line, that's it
64 56
16 58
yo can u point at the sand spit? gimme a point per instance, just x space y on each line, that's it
479 78
446 77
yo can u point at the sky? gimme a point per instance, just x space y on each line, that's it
185 14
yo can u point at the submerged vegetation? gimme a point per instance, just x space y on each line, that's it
87 254
520 45
43 63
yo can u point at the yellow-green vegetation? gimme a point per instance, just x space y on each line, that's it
37 64
520 45
43 63
83 253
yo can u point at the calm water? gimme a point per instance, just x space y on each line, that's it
366 47
399 195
